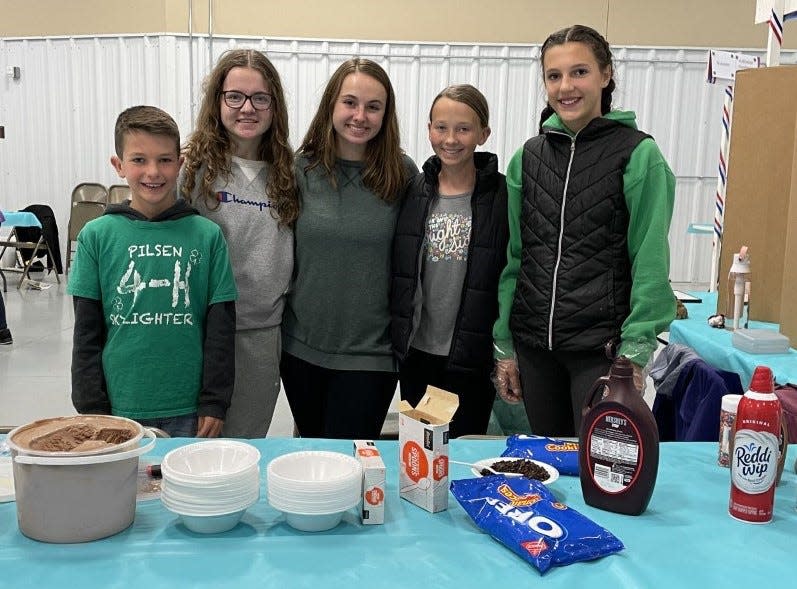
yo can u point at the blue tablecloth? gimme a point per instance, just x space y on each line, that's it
684 539
20 219
714 345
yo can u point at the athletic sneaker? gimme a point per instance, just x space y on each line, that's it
5 337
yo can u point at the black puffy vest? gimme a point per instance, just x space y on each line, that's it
471 344
574 284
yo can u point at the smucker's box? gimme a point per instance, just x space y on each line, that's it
423 449
373 510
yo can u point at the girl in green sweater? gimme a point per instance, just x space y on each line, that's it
337 364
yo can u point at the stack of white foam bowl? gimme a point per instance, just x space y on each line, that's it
314 488
211 484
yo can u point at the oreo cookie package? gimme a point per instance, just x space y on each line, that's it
561 454
523 515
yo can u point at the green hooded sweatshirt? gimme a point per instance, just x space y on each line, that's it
649 187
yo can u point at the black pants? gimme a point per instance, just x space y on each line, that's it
554 386
344 404
476 391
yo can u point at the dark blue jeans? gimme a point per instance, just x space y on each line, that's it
179 426
3 324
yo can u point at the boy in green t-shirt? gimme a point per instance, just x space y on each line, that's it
154 295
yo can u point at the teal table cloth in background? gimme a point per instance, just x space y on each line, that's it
715 347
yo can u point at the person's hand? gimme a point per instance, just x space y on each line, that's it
640 377
209 427
507 381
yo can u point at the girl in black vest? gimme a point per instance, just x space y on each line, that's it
590 203
448 252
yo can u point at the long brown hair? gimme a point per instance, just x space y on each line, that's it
210 143
600 49
384 173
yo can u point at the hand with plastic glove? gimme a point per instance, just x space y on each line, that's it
506 379
640 377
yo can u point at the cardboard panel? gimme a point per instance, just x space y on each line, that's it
760 184
788 306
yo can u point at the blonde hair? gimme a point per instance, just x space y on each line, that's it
210 143
384 173
469 96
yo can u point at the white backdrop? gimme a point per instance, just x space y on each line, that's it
59 114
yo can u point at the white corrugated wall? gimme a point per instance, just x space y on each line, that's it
59 114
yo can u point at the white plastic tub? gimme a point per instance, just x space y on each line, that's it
67 499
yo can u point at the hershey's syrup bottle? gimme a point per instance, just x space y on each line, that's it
754 459
618 444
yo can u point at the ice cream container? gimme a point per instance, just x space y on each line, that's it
64 498
76 435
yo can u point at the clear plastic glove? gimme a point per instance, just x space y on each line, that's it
506 379
640 377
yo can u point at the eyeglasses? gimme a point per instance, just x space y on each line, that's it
259 100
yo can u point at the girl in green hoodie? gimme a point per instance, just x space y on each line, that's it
590 204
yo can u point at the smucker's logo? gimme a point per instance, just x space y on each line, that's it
518 500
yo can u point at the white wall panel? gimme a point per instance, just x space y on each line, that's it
59 115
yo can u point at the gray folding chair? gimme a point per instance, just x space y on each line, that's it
90 192
118 194
82 212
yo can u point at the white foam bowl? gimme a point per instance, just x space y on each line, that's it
210 461
214 483
318 522
313 469
220 492
181 508
315 507
212 524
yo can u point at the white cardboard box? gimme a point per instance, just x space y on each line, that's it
373 508
423 449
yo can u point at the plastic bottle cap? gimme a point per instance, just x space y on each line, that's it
762 381
730 403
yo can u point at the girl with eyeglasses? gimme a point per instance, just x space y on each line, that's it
239 173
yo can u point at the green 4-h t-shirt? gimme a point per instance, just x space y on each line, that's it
155 281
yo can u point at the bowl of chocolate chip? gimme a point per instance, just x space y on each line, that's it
531 469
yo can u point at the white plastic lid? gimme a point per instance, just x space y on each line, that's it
730 403
6 480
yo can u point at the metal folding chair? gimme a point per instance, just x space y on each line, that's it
118 194
90 192
82 212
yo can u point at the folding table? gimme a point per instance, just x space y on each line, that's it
14 219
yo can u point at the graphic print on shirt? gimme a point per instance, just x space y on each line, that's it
228 197
172 292
447 236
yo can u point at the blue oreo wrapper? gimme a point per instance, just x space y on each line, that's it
524 516
561 454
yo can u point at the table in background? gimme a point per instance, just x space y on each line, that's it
21 219
715 347
685 539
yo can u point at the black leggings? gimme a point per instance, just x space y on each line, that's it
476 391
343 404
554 386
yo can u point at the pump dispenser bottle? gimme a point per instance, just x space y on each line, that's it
619 444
